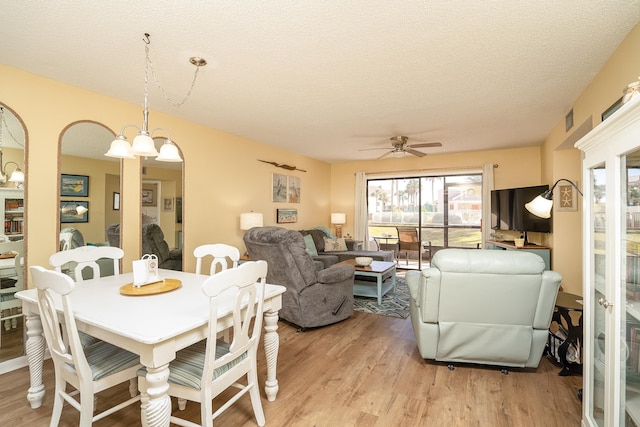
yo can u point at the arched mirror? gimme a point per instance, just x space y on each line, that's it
89 190
161 201
13 141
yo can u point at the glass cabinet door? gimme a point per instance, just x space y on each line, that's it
598 251
630 276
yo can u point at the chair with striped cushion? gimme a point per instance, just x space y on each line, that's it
90 261
89 370
221 254
203 371
101 260
224 257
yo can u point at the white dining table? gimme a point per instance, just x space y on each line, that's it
152 326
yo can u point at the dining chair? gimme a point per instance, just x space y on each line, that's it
408 241
76 260
220 253
12 282
88 370
200 373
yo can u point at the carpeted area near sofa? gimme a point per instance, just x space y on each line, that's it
393 305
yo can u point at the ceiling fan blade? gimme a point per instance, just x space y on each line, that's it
415 152
385 155
379 148
425 144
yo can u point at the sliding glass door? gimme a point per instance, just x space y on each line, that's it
440 211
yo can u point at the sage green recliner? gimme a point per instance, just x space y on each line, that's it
490 307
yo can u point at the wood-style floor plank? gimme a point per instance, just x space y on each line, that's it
365 371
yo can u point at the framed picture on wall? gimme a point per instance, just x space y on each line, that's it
149 197
294 189
286 216
116 201
179 210
566 198
167 204
74 211
74 185
279 188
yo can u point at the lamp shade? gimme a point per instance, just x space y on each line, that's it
338 218
249 220
120 149
540 206
169 153
17 176
81 210
143 145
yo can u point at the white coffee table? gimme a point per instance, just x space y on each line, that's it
381 270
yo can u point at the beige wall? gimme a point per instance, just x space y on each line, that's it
99 205
555 159
222 176
622 68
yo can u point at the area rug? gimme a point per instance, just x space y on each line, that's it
393 305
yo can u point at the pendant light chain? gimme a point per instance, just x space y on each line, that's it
143 144
3 123
157 82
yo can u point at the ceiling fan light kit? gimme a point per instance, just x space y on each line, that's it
402 149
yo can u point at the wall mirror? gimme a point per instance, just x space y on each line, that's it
161 204
89 188
13 142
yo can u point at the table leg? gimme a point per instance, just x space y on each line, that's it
271 346
35 355
393 280
155 402
379 283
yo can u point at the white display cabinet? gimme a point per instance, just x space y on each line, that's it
611 263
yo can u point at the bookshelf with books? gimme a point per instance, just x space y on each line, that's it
12 206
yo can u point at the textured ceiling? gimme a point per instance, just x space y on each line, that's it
326 79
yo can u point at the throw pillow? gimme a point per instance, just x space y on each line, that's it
335 245
311 247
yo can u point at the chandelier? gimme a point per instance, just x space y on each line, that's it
17 176
143 144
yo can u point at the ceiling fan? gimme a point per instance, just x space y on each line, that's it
401 148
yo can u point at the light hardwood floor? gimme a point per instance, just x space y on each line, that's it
365 371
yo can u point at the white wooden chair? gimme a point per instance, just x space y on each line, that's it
220 253
89 370
10 306
74 261
80 258
200 373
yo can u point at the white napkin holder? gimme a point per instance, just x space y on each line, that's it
145 270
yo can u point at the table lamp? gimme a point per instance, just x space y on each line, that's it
249 220
337 219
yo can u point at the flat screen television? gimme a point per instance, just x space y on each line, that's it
508 211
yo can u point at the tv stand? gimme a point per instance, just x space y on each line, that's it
543 252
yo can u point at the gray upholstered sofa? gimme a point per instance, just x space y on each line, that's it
330 258
483 306
313 297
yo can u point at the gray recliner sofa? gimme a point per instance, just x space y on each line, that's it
330 258
483 306
313 297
